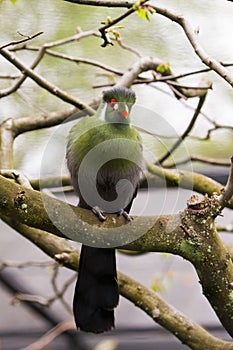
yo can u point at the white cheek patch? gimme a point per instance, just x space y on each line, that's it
116 106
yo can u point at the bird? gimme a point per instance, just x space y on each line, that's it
105 160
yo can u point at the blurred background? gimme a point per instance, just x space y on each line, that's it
41 153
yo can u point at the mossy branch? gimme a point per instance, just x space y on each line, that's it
190 234
189 180
187 331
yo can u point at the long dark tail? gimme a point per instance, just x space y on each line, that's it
96 292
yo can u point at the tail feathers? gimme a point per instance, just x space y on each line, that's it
98 322
96 293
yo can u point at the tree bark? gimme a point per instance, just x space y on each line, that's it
190 234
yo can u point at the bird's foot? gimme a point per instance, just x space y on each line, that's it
99 213
125 214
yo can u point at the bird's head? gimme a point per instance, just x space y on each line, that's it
119 103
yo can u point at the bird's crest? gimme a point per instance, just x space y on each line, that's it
119 94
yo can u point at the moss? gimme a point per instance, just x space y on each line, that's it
189 250
231 295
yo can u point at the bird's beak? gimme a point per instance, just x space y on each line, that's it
125 113
121 108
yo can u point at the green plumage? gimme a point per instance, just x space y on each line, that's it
104 157
110 149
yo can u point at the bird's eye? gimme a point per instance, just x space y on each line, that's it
114 104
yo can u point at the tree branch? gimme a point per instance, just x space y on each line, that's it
168 317
227 193
48 337
190 234
145 64
6 144
190 180
112 22
205 160
173 178
74 59
188 30
54 90
16 42
40 55
104 3
162 313
187 131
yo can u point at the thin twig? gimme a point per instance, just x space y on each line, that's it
175 83
21 265
16 42
103 30
227 193
211 130
76 60
186 132
195 72
212 63
54 90
59 294
129 48
206 160
48 337
9 77
40 56
105 3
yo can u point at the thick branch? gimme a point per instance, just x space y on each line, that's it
21 125
190 180
164 314
6 144
145 64
190 234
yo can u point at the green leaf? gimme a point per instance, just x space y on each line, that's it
164 68
13 1
160 68
117 27
143 13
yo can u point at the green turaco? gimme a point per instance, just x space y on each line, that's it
104 157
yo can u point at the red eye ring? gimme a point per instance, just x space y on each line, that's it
113 102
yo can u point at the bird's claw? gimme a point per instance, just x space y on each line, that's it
99 213
125 214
